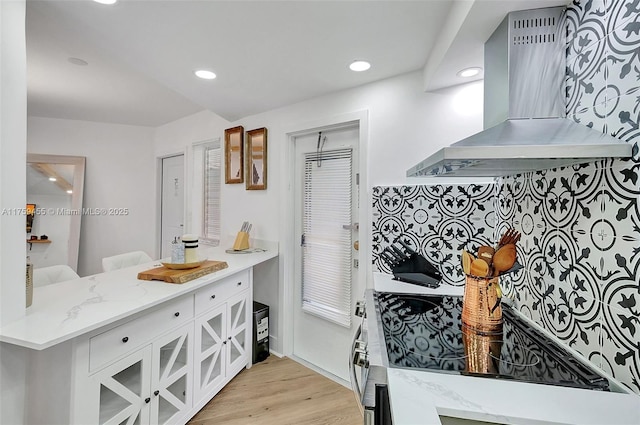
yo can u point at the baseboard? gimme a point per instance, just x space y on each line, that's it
322 372
275 353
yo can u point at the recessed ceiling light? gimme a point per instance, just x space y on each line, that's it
205 75
78 61
69 191
105 1
469 72
52 179
359 66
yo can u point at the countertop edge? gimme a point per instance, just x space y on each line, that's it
17 332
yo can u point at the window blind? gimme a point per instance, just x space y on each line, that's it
212 176
326 247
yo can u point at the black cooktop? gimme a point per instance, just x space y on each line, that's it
426 332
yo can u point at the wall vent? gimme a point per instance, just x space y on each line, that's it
539 30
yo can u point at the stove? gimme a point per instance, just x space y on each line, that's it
426 332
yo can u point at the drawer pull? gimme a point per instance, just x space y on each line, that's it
239 283
177 313
229 339
224 342
156 392
125 339
213 297
147 400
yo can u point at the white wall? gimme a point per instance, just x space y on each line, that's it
405 125
13 158
120 173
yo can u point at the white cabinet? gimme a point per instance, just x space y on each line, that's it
150 386
221 344
163 365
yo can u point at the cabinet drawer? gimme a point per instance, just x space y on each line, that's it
109 345
218 292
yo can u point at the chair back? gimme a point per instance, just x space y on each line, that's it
53 274
121 261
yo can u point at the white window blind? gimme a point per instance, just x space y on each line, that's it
326 248
211 201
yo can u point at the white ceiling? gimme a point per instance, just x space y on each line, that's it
141 54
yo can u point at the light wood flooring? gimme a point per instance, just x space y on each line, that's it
280 391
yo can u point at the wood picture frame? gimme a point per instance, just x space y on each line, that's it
234 155
256 154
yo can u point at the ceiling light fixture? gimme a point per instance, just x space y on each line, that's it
78 61
52 179
204 74
359 66
69 191
105 1
469 72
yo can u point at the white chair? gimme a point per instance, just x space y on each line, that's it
121 261
53 274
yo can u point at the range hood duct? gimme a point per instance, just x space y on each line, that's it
524 107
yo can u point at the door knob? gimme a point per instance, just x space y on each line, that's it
354 226
356 245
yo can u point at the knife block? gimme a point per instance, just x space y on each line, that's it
242 241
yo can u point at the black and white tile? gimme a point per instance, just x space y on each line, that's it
580 225
438 221
582 281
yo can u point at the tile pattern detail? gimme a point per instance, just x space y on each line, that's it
437 221
581 224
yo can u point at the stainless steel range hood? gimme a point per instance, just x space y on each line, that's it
524 107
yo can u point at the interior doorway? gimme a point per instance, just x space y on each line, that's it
172 202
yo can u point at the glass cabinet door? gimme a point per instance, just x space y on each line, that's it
210 350
238 332
171 383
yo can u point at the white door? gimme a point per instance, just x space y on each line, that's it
172 209
325 227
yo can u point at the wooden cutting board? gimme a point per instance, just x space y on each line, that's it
181 276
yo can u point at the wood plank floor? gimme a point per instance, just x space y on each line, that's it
280 391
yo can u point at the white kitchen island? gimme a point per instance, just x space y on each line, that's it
419 397
110 348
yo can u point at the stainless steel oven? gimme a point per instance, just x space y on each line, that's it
368 374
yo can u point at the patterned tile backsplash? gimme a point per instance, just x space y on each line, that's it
580 224
437 221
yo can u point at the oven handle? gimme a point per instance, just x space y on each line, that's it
352 370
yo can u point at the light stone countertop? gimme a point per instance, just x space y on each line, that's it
420 397
65 310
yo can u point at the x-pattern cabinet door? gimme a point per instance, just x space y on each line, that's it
122 390
210 353
237 336
171 377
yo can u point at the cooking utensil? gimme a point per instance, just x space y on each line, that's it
511 236
486 253
479 268
467 259
504 258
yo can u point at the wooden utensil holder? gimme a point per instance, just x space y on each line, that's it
480 298
242 241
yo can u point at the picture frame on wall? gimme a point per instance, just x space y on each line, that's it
256 153
234 155
31 213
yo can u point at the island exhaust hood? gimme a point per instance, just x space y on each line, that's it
524 107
